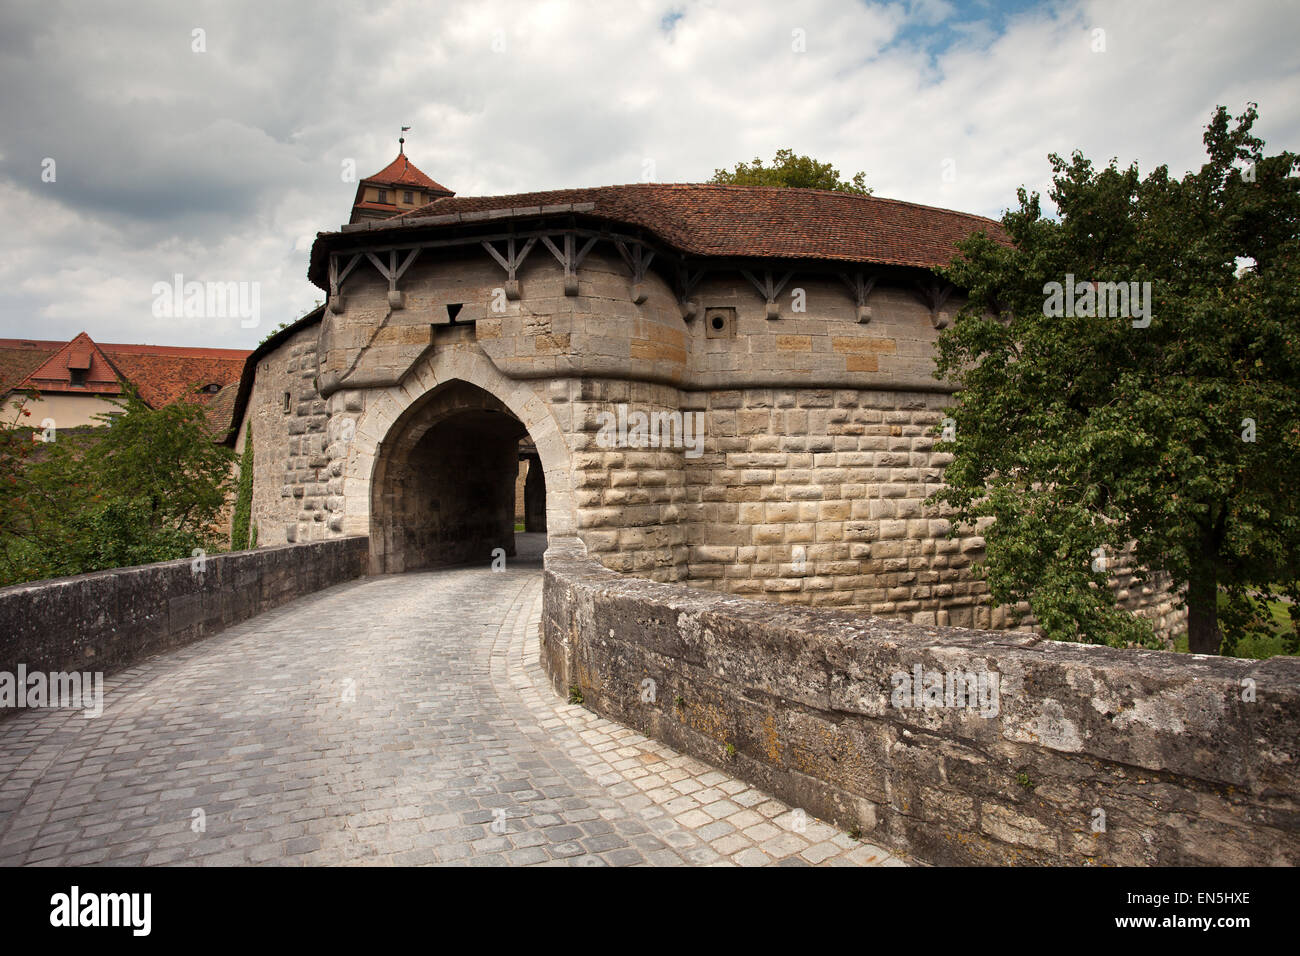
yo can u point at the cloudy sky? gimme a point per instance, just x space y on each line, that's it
218 155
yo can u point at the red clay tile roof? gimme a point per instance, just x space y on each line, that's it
20 357
161 373
81 354
221 410
757 221
403 172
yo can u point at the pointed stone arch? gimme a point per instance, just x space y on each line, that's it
387 413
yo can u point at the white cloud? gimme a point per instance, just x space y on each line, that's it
224 165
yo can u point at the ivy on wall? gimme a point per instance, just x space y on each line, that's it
240 539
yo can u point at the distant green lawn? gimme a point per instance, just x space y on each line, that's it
1260 644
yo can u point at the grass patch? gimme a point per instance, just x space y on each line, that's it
1276 637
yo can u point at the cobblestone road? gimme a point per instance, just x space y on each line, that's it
391 720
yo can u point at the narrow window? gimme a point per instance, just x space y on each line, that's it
406 197
287 398
383 195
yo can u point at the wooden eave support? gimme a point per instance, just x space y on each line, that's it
569 258
392 272
769 289
860 286
337 277
511 261
638 259
687 280
934 295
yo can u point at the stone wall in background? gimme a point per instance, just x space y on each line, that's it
1042 752
108 620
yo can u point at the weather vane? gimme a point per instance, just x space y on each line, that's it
401 141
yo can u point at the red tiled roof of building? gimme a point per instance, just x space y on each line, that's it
20 357
403 172
161 373
98 374
753 221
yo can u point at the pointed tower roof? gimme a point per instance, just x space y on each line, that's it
399 175
402 172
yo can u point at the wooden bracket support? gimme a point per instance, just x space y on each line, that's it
569 258
769 289
860 285
638 259
392 272
686 283
336 280
934 295
511 262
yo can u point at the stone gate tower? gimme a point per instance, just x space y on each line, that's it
791 329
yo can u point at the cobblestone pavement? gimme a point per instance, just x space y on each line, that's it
392 720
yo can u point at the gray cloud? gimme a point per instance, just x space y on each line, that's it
222 165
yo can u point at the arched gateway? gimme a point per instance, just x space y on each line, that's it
726 386
442 475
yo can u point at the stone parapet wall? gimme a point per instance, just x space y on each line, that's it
108 620
1091 756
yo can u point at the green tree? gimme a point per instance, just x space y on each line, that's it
787 169
147 486
18 448
1080 434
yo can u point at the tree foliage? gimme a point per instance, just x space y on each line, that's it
146 486
1084 432
787 169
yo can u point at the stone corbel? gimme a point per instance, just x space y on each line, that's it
934 295
860 285
569 259
511 262
336 280
769 289
686 283
392 272
638 259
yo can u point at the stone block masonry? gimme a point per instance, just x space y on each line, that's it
1089 756
292 496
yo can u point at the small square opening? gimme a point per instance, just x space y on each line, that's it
720 323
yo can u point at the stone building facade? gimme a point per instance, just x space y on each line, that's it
730 387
